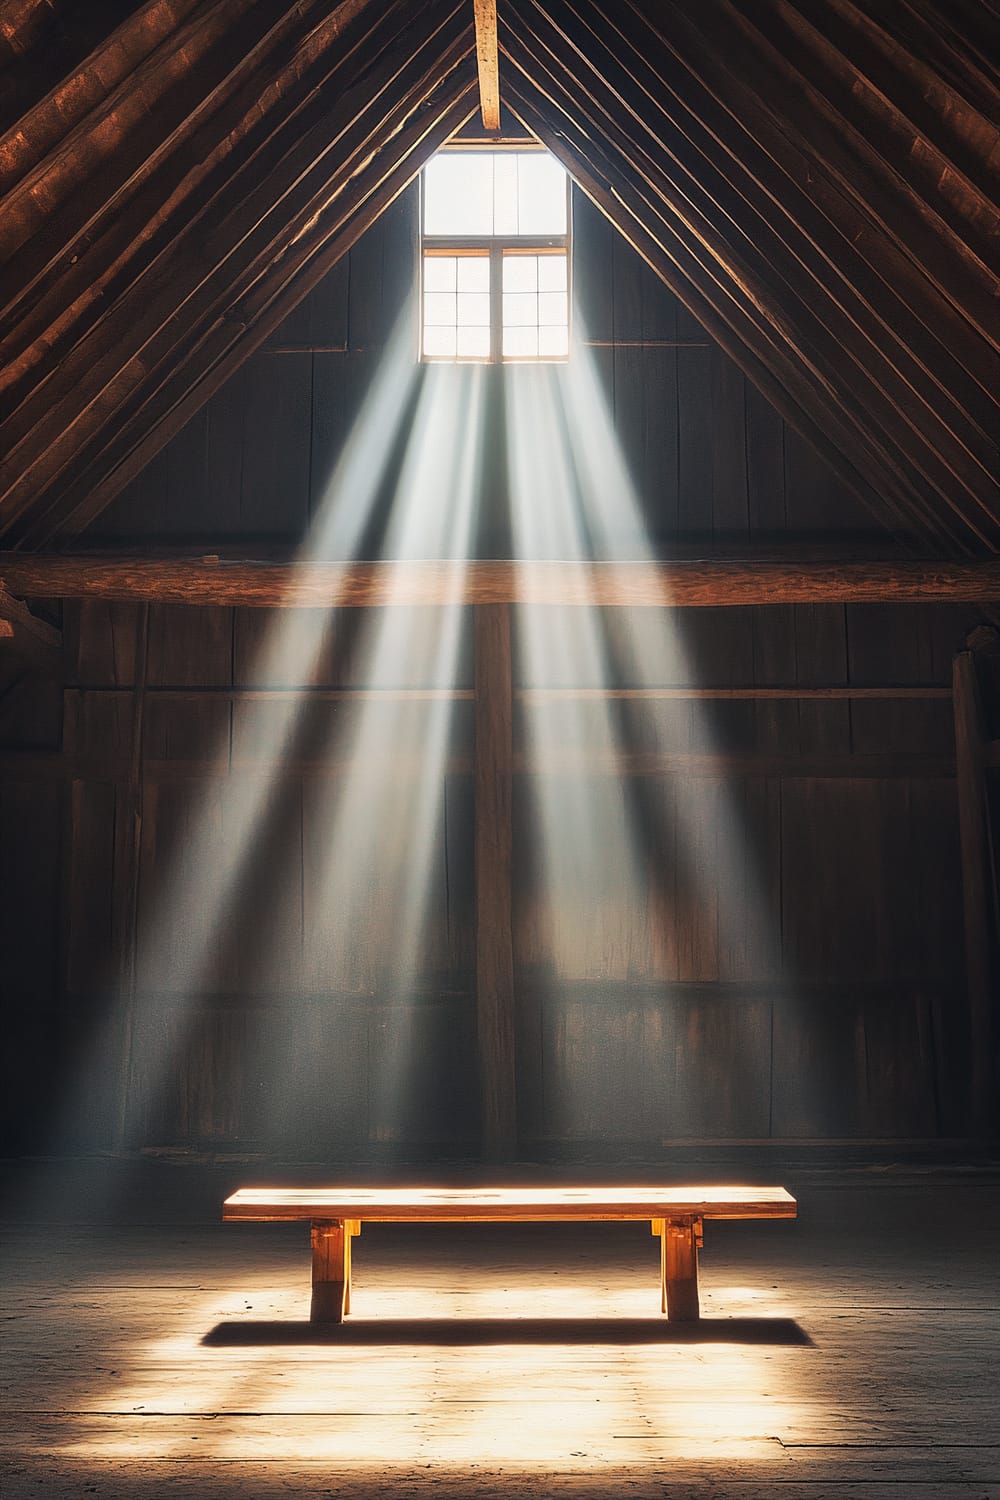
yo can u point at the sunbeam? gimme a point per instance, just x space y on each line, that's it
378 824
588 858
185 926
602 831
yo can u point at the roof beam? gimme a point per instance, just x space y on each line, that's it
688 583
488 63
847 286
312 139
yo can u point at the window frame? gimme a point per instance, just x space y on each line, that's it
495 247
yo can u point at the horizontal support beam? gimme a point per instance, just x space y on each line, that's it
825 692
782 992
31 765
688 583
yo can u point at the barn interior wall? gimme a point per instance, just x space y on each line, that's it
840 1016
711 460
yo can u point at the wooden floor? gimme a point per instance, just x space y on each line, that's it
149 1350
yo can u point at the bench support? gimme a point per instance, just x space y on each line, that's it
331 1269
674 1213
679 1243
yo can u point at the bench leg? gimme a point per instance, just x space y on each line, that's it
679 1241
331 1272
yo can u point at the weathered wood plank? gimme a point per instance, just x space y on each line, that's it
508 1204
45 765
485 12
494 758
833 692
24 633
685 583
830 1359
125 895
973 828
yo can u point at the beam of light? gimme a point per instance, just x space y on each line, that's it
218 832
589 864
206 886
712 833
379 824
573 498
654 653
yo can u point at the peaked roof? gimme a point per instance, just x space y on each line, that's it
815 179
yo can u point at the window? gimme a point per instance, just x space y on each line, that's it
494 257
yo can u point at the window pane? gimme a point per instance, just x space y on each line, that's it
458 194
474 273
553 342
474 309
505 193
439 273
439 307
541 194
474 343
552 307
520 343
439 343
552 273
471 197
520 273
520 310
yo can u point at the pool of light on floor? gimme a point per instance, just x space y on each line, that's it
565 1406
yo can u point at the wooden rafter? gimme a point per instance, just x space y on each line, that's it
488 62
685 584
23 632
816 182
839 256
301 137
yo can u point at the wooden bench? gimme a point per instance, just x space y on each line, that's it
676 1215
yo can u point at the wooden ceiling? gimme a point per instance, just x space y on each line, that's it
815 179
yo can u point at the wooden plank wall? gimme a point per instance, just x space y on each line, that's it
822 997
802 978
712 461
281 985
33 896
793 968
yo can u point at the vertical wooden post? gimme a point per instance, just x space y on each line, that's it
971 779
69 853
331 1271
129 881
679 1241
494 871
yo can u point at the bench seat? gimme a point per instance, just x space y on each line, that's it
675 1214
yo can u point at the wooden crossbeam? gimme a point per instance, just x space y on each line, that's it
746 692
487 62
51 765
688 583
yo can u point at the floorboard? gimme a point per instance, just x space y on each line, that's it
150 1350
